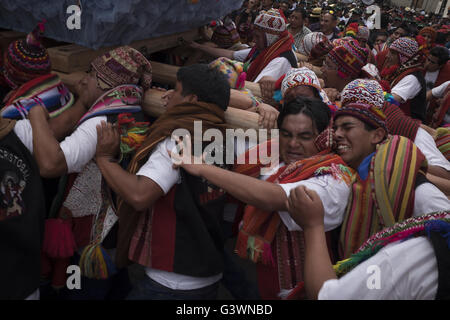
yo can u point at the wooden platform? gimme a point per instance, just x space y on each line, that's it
72 57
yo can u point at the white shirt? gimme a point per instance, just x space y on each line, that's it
407 88
407 270
425 142
275 68
430 77
334 194
78 148
438 92
428 199
159 168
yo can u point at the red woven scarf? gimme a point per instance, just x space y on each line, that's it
268 54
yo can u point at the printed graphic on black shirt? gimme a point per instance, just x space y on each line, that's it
13 177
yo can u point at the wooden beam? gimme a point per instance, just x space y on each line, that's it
236 118
72 57
167 74
6 37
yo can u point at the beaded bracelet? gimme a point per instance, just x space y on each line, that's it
390 98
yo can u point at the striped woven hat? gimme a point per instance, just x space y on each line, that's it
364 100
123 65
26 59
349 58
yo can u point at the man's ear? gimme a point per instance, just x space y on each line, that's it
377 135
192 98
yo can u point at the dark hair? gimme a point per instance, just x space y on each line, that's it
405 27
441 53
302 11
315 109
209 85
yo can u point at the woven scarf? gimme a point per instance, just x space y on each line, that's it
258 61
386 197
121 99
47 90
261 228
398 123
87 194
443 141
132 235
412 227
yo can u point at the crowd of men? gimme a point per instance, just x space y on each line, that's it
89 178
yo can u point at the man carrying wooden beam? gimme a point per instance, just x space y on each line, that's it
170 221
114 91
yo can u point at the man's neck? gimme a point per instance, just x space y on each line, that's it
294 31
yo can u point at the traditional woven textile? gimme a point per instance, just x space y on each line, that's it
47 91
262 232
232 69
368 92
26 59
302 77
309 41
225 35
429 30
400 124
259 60
123 98
412 227
443 141
352 30
123 65
363 33
272 23
349 58
405 47
371 72
320 49
386 196
132 235
364 100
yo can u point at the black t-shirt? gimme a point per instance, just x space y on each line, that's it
22 212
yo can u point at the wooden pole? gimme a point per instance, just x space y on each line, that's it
153 104
167 74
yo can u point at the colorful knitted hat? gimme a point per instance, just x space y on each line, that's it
123 65
232 69
26 59
309 41
349 58
406 48
364 100
226 34
351 30
272 23
430 31
302 77
363 33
